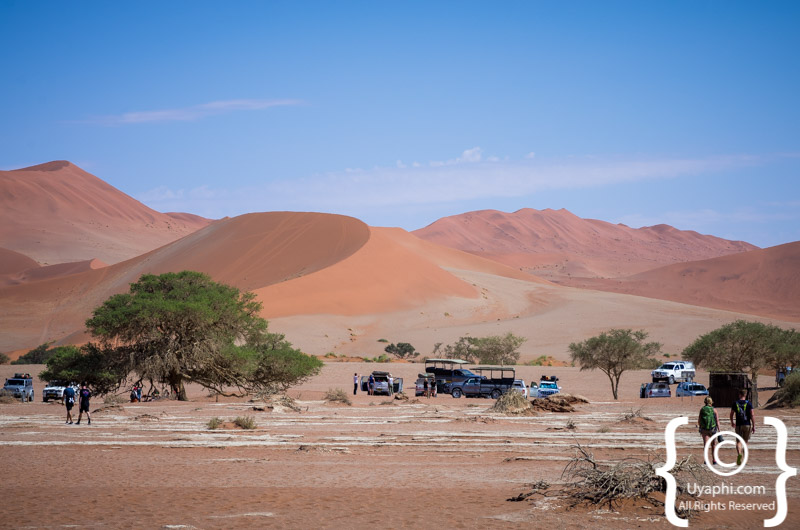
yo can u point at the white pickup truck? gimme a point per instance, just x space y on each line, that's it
674 371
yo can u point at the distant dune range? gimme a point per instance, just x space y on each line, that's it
762 282
556 244
332 283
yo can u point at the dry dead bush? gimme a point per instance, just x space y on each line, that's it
337 395
589 481
512 403
6 398
634 416
245 422
558 403
608 483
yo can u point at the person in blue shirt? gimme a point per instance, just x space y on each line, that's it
745 422
69 402
84 395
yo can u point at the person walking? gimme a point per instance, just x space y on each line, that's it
708 421
69 402
84 395
355 384
745 422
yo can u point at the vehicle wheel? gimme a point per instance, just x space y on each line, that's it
456 393
496 394
671 380
44 400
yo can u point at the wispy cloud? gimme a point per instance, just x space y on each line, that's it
468 177
192 113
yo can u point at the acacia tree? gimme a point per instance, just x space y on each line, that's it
613 352
739 346
184 327
486 350
402 350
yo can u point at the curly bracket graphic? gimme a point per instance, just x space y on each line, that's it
780 482
780 460
664 471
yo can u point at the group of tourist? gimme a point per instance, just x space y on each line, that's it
84 394
741 417
371 384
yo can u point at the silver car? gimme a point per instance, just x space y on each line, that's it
691 389
653 390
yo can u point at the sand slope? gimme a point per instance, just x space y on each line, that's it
556 243
761 282
249 251
56 212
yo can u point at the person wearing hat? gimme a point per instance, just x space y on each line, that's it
708 421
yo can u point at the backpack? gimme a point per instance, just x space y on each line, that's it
742 412
707 420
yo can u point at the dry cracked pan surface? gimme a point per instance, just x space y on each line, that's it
436 462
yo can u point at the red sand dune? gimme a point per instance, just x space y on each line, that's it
359 270
39 272
394 271
56 212
761 282
12 262
556 243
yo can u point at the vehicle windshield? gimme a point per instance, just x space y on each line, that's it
546 384
15 382
56 383
668 366
697 387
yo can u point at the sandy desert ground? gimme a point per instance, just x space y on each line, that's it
438 462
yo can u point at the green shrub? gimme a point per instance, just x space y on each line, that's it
4 359
214 423
382 358
539 361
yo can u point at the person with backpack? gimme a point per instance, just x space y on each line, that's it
69 402
708 421
84 395
745 424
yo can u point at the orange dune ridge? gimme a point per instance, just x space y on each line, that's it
394 271
557 243
57 212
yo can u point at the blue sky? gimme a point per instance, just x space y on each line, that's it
400 113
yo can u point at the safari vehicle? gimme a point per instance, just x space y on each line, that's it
20 386
674 371
547 386
55 390
382 383
447 372
499 380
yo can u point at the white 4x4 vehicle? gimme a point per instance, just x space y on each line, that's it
674 371
20 386
547 386
55 390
